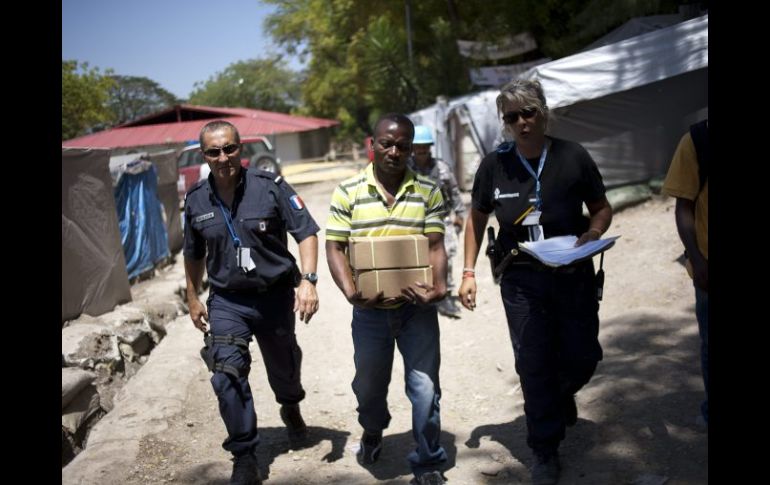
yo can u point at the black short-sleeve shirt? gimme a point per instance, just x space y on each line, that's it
569 178
265 208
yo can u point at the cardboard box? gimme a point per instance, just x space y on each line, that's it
388 252
391 281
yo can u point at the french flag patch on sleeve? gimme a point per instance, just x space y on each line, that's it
296 202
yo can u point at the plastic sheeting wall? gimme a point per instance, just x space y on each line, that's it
632 135
94 277
627 103
140 219
165 164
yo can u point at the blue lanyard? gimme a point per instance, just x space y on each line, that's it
538 198
229 222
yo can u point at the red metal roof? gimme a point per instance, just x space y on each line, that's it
248 121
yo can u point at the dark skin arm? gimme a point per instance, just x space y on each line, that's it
193 270
601 218
685 225
417 292
424 294
343 277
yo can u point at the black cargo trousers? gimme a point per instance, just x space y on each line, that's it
553 320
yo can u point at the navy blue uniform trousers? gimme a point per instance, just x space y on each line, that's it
554 326
270 318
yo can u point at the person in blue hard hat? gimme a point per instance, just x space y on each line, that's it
423 163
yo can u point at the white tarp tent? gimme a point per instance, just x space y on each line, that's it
628 103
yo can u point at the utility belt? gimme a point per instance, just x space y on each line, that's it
541 268
290 279
500 261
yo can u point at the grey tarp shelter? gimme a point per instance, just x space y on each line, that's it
627 103
166 165
94 277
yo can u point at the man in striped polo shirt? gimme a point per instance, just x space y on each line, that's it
388 199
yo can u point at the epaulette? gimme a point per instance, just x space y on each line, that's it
277 179
195 187
505 147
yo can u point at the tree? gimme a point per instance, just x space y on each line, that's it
359 67
84 98
133 97
257 83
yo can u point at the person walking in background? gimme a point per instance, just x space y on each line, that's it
423 163
537 184
235 227
687 180
388 199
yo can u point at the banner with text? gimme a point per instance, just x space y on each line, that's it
507 47
499 75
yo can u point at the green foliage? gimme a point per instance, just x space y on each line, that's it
84 98
359 65
257 83
134 97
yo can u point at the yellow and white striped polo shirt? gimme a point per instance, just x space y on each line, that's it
359 208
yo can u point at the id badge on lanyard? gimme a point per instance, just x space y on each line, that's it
242 254
532 223
243 259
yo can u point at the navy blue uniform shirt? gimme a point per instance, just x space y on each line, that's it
264 209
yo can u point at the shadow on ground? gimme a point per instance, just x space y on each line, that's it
637 415
273 443
393 463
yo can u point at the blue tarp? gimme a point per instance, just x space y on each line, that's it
140 218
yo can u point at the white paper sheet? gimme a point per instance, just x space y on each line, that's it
561 250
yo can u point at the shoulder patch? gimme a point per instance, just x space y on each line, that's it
296 202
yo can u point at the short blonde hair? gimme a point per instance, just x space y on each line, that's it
525 92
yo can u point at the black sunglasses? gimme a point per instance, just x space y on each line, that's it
512 117
228 149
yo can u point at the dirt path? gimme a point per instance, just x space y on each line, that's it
636 416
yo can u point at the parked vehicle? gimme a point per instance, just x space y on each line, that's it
256 152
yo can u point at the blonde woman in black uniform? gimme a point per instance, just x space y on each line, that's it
552 313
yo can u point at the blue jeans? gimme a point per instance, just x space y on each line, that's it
702 314
415 330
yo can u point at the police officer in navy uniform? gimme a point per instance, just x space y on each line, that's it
237 219
536 185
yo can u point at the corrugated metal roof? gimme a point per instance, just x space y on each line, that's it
248 121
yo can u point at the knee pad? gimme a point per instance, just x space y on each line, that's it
207 354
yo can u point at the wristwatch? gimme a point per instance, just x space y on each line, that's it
311 277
